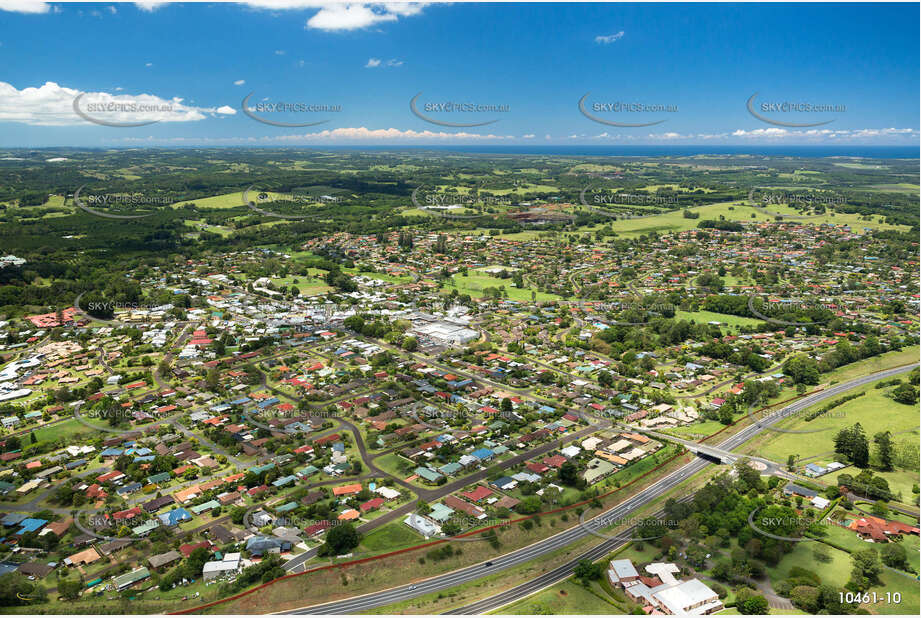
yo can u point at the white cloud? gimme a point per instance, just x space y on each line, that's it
150 6
377 62
363 133
348 17
528 136
149 64
609 38
279 52
346 134
24 6
817 135
344 16
113 10
239 82
52 105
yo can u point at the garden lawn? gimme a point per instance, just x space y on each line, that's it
394 535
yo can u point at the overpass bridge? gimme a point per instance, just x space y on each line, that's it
713 453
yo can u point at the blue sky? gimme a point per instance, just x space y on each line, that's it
695 66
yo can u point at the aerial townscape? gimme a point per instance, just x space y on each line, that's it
422 379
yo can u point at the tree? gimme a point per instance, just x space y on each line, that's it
894 555
883 441
342 539
880 508
587 571
16 589
410 344
69 589
866 569
569 474
750 603
852 443
803 369
905 393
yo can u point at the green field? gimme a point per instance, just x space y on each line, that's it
391 536
675 222
475 283
308 286
874 411
838 572
565 598
702 317
228 200
902 187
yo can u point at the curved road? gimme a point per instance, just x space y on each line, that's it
561 540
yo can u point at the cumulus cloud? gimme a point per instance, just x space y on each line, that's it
24 6
150 6
606 39
363 133
239 82
341 17
53 105
345 134
824 134
377 62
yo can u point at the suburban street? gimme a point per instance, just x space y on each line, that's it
552 544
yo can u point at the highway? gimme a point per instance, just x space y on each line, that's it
563 539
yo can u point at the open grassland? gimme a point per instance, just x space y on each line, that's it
874 411
837 572
227 200
475 284
565 598
702 317
675 221
901 187
307 286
